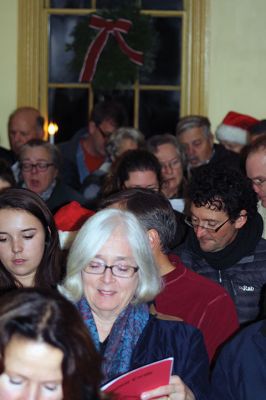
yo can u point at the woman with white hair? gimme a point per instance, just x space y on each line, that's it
111 275
125 138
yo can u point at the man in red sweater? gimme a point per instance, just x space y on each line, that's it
186 294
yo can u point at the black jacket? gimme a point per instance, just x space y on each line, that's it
244 280
222 156
62 195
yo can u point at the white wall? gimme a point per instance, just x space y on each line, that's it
237 69
8 64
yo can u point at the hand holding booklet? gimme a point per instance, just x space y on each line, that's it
129 386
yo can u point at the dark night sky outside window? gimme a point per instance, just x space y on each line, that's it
158 108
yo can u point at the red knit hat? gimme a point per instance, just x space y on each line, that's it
235 127
68 220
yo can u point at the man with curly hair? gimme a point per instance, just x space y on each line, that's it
225 242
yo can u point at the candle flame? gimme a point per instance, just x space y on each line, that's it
52 128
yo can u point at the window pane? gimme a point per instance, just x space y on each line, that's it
145 4
168 60
125 97
159 112
69 109
70 3
64 63
162 4
111 4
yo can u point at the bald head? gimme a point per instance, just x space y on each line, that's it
24 124
256 167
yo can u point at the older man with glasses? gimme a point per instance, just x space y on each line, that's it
194 134
225 242
256 171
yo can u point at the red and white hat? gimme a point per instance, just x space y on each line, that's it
235 127
68 220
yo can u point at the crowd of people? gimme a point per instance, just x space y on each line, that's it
117 251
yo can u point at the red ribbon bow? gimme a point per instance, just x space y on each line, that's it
107 27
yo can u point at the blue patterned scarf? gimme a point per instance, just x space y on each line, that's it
122 338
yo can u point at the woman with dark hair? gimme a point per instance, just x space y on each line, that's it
46 352
29 244
135 168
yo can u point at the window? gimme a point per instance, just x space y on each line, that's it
154 101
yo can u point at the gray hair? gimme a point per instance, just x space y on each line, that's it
112 147
194 121
157 140
52 150
93 235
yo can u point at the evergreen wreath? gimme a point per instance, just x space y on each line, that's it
114 69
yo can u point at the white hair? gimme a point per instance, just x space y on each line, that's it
115 140
90 239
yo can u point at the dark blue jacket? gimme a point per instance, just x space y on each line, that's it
73 170
240 372
243 280
161 339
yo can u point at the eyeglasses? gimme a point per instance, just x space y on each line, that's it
119 270
150 187
208 226
105 135
258 181
171 164
40 166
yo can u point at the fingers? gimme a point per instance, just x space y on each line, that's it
176 390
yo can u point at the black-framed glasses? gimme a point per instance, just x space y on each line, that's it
118 270
105 135
39 166
207 226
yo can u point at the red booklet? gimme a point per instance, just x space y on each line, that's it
130 385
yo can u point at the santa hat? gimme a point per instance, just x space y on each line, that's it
68 220
235 127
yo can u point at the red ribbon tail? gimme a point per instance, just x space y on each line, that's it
92 56
134 55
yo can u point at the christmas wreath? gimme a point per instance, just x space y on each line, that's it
117 43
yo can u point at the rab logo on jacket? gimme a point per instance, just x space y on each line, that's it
246 288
